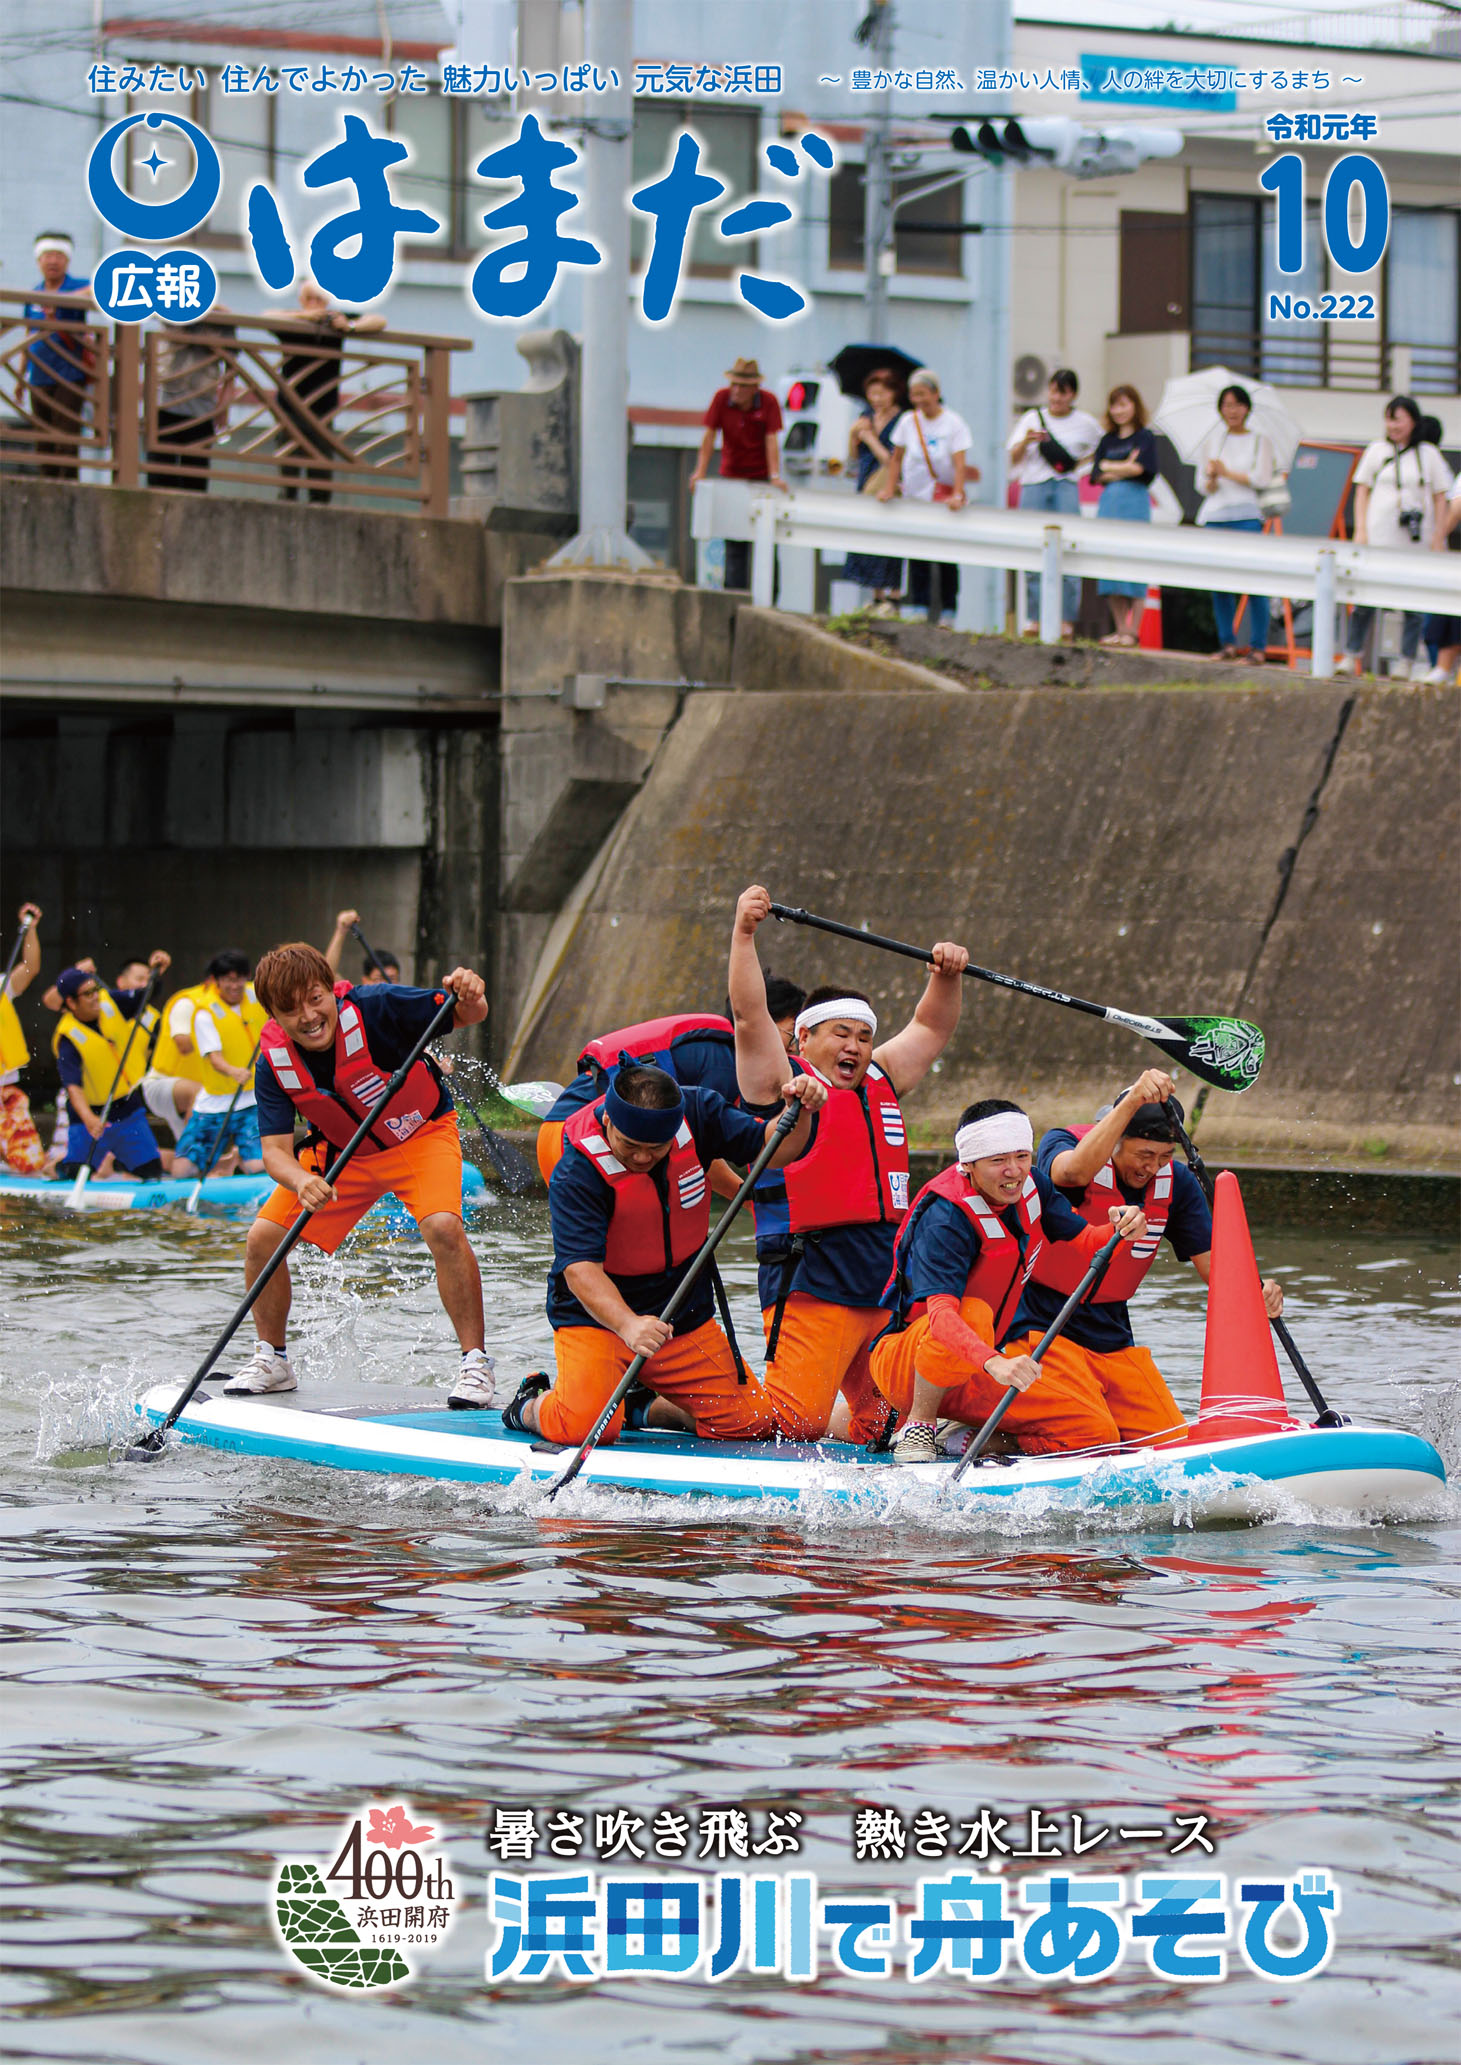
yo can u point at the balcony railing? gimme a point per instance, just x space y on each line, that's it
236 403
1324 355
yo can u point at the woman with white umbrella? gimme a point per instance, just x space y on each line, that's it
1235 467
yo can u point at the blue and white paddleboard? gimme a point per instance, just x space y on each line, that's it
219 1193
1354 1471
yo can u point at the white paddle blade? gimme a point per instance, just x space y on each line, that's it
193 1195
75 1202
538 1098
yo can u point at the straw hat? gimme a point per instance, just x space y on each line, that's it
744 369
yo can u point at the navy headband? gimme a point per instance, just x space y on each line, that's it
646 1128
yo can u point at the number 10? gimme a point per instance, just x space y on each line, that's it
1285 178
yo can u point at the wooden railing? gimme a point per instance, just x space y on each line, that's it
230 403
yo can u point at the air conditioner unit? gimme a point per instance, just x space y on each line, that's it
1031 376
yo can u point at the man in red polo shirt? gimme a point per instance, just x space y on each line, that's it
748 418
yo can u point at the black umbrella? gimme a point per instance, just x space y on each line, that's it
855 361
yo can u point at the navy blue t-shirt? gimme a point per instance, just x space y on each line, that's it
702 1062
394 1019
1105 1329
581 1204
943 1247
68 1067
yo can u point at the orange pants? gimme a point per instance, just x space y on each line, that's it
20 1143
425 1174
1128 1382
550 1146
821 1350
1058 1412
697 1370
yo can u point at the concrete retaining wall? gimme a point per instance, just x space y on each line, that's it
1133 846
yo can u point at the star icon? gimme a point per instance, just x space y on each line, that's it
155 164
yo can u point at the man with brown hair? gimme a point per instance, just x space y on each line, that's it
326 1055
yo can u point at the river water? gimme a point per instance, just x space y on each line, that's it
213 1662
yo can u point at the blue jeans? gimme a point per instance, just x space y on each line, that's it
1065 496
1225 607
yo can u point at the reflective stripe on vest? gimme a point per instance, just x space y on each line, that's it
238 1026
360 1082
855 1173
654 1039
1061 1265
14 1053
1003 1261
659 1220
101 1050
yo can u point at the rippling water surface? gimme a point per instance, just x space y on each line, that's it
213 1662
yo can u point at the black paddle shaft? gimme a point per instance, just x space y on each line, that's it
1327 1416
25 925
784 1125
1057 1325
238 1090
132 1030
152 1441
797 916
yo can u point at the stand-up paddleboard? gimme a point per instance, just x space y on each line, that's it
219 1193
1353 1471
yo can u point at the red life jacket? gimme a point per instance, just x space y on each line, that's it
1000 1268
855 1173
1061 1265
653 1040
652 1228
359 1081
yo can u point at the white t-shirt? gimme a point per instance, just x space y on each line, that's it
1078 432
208 1040
1401 480
1246 451
944 434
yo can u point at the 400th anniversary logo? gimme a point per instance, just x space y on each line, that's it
388 1891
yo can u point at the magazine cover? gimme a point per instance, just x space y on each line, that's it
729 1148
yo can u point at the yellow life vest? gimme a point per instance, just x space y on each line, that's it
239 1026
14 1053
101 1048
169 1060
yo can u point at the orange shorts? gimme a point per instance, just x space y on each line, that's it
696 1369
821 1350
550 1146
425 1174
1056 1413
1128 1381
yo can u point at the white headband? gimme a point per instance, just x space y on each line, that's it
44 244
837 1007
1006 1132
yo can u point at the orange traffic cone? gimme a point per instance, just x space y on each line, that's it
1149 634
1242 1391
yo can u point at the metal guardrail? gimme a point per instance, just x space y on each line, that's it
234 401
1325 571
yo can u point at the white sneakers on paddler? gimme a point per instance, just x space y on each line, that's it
267 1369
474 1386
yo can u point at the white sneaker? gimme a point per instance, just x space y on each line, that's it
265 1370
474 1386
1347 663
918 1443
1436 677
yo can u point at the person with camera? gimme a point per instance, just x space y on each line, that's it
1047 447
1401 487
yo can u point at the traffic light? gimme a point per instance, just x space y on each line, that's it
1056 140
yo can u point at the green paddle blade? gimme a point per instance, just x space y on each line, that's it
1226 1052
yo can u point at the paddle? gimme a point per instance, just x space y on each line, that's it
1327 1416
155 1439
191 1205
987 1432
1226 1052
514 1171
784 1125
15 951
77 1195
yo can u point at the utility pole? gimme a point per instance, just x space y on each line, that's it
603 421
876 34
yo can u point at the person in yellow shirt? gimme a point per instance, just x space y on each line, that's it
227 1021
20 1143
101 1054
